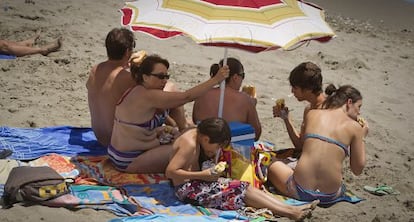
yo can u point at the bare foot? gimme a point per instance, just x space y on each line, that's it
304 211
52 47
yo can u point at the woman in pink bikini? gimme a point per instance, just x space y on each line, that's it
136 143
330 135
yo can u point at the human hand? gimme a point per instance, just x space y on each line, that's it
364 125
283 113
365 129
222 74
166 134
254 101
208 175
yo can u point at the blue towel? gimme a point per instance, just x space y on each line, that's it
6 56
32 143
159 198
166 218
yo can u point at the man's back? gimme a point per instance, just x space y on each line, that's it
106 84
238 107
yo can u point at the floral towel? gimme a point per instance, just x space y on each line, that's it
99 169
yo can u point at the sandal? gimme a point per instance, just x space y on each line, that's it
381 190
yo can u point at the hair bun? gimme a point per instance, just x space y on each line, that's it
330 89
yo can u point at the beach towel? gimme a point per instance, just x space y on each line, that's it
166 218
349 197
32 143
96 197
159 198
61 164
7 56
100 170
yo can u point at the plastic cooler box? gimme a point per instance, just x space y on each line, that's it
242 134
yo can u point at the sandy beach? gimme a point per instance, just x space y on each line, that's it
373 50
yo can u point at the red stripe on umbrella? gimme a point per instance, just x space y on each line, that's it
127 15
161 34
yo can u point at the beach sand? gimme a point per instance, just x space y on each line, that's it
373 51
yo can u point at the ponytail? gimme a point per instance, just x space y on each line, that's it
338 97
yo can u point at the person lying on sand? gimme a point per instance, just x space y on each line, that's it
306 82
238 106
108 80
140 143
26 47
330 135
205 187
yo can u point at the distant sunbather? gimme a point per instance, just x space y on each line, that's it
306 82
238 106
138 144
330 135
205 187
26 47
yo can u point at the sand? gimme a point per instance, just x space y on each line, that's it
373 51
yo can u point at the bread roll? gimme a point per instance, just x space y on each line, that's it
220 167
361 121
280 103
249 90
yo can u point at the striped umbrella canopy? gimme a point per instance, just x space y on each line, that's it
252 25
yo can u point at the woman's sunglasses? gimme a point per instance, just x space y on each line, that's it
160 75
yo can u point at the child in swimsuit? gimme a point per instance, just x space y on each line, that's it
207 188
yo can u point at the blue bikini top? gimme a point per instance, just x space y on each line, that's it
329 140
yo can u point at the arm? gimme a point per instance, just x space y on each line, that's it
195 111
91 76
357 151
253 120
177 168
294 136
164 100
177 114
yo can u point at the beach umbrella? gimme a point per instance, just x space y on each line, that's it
252 25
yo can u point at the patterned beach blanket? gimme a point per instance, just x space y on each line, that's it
96 197
99 170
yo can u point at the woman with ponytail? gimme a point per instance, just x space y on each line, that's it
330 135
238 106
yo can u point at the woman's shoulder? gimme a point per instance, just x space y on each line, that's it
316 112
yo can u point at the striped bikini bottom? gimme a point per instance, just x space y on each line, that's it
122 159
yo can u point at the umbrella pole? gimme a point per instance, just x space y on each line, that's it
222 87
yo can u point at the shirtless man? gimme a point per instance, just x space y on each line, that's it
306 82
108 81
238 106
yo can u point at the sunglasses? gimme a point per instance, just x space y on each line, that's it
241 75
160 75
